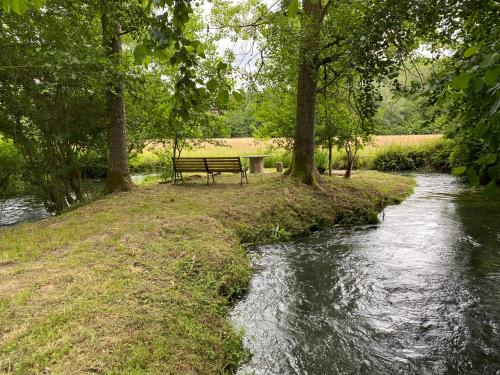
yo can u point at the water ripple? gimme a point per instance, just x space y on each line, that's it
417 294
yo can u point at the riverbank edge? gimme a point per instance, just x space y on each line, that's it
197 252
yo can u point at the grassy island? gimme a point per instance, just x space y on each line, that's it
142 282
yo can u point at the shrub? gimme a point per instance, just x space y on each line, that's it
11 169
430 156
440 157
146 162
394 159
284 156
321 160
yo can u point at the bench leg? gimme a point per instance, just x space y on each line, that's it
213 178
208 178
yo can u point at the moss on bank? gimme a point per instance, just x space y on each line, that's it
140 282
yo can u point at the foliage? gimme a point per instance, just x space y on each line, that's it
51 108
11 169
434 156
275 116
468 85
278 156
239 119
20 6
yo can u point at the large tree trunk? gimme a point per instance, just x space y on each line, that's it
303 166
118 175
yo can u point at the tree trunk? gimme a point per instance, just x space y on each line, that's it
118 175
349 168
330 146
303 166
351 156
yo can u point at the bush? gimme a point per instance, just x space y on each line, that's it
321 160
11 169
440 157
394 159
146 162
276 156
433 156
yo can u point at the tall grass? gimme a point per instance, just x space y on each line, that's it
370 157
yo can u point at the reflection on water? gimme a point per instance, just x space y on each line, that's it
20 209
31 208
417 294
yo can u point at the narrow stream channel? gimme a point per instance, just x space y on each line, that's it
417 294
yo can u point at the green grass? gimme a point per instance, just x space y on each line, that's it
150 160
142 282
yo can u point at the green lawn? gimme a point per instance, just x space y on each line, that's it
141 282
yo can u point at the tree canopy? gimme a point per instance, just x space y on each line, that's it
97 80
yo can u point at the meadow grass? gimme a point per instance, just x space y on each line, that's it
149 159
142 282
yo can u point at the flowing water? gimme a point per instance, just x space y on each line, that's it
31 208
20 209
417 294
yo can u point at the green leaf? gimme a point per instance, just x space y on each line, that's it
489 60
222 98
457 171
476 83
491 76
472 177
19 6
221 65
293 8
461 81
39 3
212 85
471 51
162 55
140 53
490 158
490 189
237 95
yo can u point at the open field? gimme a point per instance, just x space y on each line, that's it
149 159
141 282
249 146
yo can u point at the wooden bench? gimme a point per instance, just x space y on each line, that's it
210 166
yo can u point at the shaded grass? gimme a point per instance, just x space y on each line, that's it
141 282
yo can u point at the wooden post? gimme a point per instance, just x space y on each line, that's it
279 167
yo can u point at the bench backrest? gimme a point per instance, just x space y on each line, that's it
227 164
189 164
209 165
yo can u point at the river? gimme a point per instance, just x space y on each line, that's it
417 294
26 208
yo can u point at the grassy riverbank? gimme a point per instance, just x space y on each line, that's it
141 282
